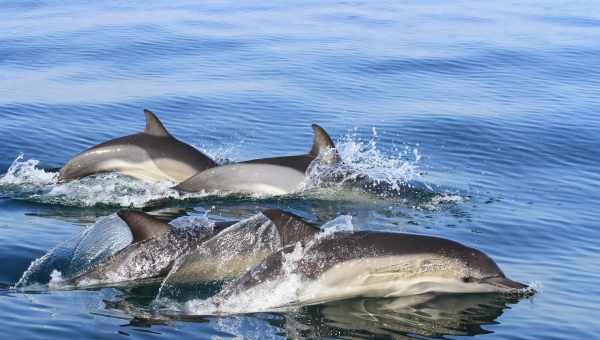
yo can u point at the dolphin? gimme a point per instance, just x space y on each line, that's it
203 253
155 246
266 176
346 265
153 155
235 250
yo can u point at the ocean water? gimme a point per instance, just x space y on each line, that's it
489 111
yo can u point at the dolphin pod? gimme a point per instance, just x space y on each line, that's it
338 266
156 155
262 250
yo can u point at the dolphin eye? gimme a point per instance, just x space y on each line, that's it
468 279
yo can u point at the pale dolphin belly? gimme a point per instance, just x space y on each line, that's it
252 178
141 156
129 160
389 276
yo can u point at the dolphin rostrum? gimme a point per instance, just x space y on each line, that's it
270 176
150 155
347 265
155 246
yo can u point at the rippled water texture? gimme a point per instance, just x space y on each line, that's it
488 112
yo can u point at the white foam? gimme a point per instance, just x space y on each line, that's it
24 179
56 280
338 224
440 200
26 172
268 296
363 158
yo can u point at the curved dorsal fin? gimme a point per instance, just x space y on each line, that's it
291 228
323 146
142 225
154 126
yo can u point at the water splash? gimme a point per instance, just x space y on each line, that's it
339 224
97 242
25 180
26 173
267 296
56 280
365 165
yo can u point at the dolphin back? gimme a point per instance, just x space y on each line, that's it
270 176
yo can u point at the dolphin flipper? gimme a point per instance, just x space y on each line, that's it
142 225
291 228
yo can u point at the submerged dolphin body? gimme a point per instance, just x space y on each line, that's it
150 155
378 264
270 176
238 248
155 246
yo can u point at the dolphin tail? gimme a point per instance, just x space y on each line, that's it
142 225
154 126
291 228
323 146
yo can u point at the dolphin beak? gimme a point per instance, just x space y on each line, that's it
505 283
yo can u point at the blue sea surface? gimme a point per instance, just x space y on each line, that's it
491 106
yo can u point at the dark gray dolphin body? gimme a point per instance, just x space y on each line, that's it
154 248
213 252
150 155
270 176
238 248
379 264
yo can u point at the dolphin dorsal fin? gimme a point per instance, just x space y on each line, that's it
323 146
291 228
154 126
142 225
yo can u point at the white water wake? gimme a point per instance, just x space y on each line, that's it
363 161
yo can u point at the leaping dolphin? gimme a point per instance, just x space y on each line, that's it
150 155
203 253
270 176
348 265
155 246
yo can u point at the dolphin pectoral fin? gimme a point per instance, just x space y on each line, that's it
323 146
142 225
291 228
154 126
